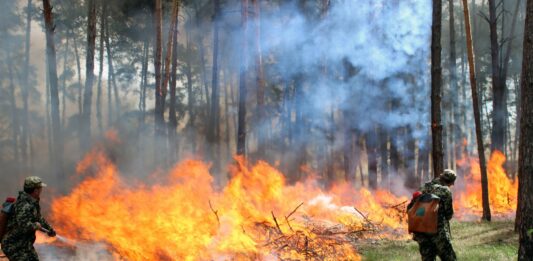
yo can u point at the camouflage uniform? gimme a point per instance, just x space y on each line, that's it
439 244
17 243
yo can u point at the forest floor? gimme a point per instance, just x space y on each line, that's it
471 241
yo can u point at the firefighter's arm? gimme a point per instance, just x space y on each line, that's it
46 225
447 204
24 216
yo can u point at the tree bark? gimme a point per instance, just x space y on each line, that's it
241 132
172 119
455 130
159 93
14 115
477 116
260 83
52 76
100 69
64 88
213 130
498 91
190 98
436 92
525 169
26 132
80 85
112 81
85 138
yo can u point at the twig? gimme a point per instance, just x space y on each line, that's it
294 210
366 219
276 221
215 212
288 223
397 205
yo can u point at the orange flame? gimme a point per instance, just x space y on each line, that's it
502 190
184 217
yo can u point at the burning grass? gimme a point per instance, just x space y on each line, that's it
256 216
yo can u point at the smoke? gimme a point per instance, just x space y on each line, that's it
78 252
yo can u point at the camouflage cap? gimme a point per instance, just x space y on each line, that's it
33 182
448 176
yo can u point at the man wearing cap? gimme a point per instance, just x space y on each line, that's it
17 243
440 244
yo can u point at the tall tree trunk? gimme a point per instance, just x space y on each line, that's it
241 132
112 81
52 76
64 88
100 69
85 138
477 116
201 49
159 88
14 115
525 169
48 120
260 83
455 130
190 98
213 132
144 83
172 120
498 91
436 92
26 132
80 85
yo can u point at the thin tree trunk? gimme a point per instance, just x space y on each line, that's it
498 91
260 83
202 62
525 169
144 83
157 64
190 97
52 74
111 72
455 130
436 92
64 88
80 85
172 120
241 132
14 115
477 116
48 120
213 132
85 138
100 69
26 132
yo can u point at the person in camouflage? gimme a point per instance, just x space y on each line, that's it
439 244
17 243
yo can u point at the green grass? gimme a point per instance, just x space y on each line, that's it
471 241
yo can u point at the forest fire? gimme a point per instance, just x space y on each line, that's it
502 190
256 216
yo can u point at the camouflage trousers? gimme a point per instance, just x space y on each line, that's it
438 245
19 253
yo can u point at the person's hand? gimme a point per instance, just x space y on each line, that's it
51 233
38 226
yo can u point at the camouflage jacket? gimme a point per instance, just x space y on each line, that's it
21 225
